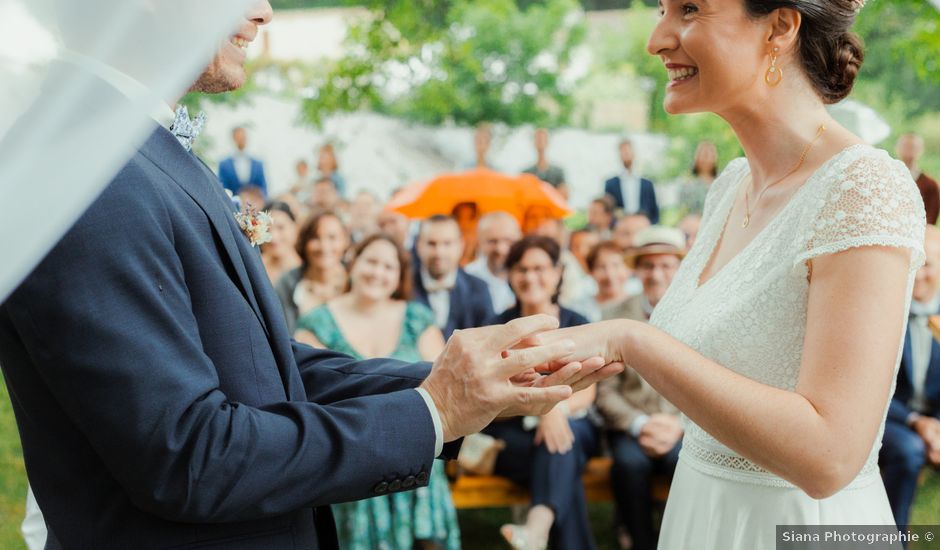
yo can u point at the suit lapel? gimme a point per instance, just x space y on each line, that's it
266 301
186 171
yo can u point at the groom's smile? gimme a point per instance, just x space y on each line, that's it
226 72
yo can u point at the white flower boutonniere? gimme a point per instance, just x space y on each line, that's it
255 225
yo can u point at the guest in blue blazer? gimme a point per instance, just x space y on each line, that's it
912 430
630 192
161 402
459 300
241 170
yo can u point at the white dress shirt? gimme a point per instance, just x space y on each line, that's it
630 190
500 291
439 295
921 346
242 164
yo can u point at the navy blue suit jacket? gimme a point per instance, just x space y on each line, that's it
648 204
470 302
229 177
159 397
898 411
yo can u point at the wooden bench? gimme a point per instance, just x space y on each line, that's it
469 491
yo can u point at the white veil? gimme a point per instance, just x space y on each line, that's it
63 132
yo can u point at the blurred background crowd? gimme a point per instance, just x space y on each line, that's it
356 275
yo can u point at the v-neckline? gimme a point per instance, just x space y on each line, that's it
716 245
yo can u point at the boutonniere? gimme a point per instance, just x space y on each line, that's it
256 225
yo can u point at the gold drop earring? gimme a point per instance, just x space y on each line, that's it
774 75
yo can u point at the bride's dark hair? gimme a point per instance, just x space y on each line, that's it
830 53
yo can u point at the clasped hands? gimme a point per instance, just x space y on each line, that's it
522 368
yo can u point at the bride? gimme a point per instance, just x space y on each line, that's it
781 333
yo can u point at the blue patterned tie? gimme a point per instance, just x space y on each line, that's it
185 129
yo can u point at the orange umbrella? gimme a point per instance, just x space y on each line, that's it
490 191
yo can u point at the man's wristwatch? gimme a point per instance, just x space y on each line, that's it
912 419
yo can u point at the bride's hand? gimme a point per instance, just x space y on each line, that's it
578 374
604 339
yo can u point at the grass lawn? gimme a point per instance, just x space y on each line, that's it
480 527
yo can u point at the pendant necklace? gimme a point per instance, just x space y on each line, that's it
747 207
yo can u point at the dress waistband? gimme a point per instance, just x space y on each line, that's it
737 468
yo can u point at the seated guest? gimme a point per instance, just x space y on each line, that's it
625 231
578 288
627 227
581 243
607 266
689 226
363 216
536 218
458 300
324 196
241 170
251 197
398 226
601 217
375 319
321 244
496 233
643 428
550 458
912 430
631 193
280 254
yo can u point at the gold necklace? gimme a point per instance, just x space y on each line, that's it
747 207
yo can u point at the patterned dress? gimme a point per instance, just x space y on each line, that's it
393 521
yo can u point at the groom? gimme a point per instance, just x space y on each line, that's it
162 403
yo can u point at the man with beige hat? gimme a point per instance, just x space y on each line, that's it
643 428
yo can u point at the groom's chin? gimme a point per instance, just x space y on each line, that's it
220 78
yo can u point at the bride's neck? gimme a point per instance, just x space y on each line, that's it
774 133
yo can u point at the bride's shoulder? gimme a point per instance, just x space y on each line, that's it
866 165
867 175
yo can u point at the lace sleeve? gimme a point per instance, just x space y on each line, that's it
872 202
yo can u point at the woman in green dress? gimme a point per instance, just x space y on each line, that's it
375 319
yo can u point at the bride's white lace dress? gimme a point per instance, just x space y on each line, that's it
751 317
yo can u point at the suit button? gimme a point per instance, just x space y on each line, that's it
408 483
422 478
381 488
394 486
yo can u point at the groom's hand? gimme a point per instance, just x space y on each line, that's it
477 375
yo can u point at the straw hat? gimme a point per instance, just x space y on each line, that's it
656 239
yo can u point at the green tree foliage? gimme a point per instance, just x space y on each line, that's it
464 61
901 73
